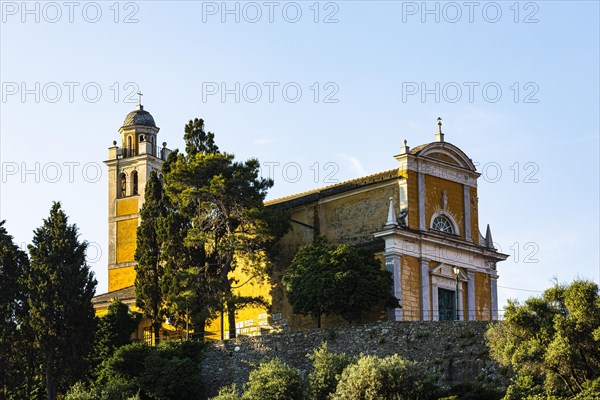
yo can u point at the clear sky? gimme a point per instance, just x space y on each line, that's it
327 89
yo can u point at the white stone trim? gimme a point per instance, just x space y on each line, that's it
467 203
494 295
447 214
471 295
393 264
448 283
421 194
438 168
425 291
440 248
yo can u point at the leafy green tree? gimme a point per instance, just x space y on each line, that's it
149 271
390 378
274 380
59 288
336 280
223 201
327 370
551 341
113 330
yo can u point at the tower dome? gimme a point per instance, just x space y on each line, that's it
139 117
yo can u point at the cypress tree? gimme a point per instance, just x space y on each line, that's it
59 288
148 281
13 262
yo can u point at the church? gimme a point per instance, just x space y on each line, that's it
420 219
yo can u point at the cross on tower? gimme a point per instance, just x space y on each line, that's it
139 98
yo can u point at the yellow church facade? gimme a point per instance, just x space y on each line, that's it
420 219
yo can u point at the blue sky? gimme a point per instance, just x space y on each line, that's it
516 83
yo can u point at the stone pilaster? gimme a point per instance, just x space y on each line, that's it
494 294
425 291
467 202
471 295
421 194
393 265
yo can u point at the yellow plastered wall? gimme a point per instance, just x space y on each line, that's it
134 140
126 240
367 210
443 157
254 318
127 206
483 297
100 312
119 278
434 187
411 282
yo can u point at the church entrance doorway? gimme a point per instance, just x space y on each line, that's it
446 304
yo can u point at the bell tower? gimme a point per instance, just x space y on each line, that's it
129 167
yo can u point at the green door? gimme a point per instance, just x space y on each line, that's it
446 300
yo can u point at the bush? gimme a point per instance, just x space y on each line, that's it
274 380
394 378
524 387
227 393
80 392
475 391
172 377
327 369
170 370
591 390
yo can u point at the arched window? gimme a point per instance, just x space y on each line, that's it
123 179
129 146
134 183
443 224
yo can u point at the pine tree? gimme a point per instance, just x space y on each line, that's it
149 272
59 287
223 200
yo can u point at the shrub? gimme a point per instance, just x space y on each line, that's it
327 369
394 378
524 387
227 393
475 391
170 370
80 392
591 390
172 377
274 380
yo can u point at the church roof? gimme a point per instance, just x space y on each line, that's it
453 154
139 117
334 189
450 153
126 295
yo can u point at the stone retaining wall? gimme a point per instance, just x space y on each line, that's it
455 349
